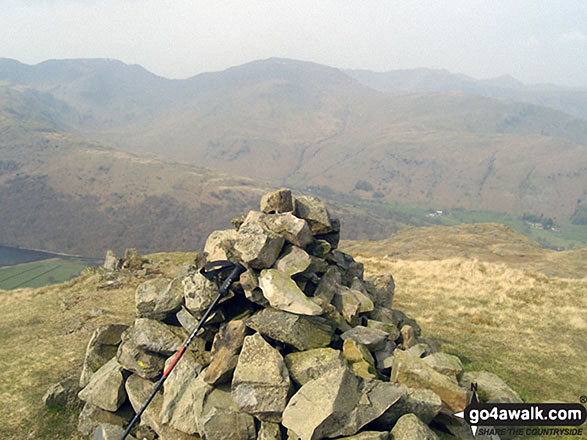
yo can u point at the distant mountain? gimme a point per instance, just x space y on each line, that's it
310 126
565 99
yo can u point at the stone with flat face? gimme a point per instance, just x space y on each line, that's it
410 427
308 365
220 245
225 348
491 386
314 211
293 260
302 332
371 338
284 294
159 297
256 245
260 384
106 387
295 230
277 201
101 348
131 357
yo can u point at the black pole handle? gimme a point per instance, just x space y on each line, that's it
211 269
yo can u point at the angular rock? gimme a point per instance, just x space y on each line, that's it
132 358
304 366
269 431
158 297
294 230
333 315
256 245
106 387
371 338
277 201
220 245
420 350
184 395
414 373
319 248
156 337
350 269
283 293
410 427
302 332
332 238
347 303
92 416
408 336
491 387
138 389
384 356
392 331
446 364
327 287
423 403
293 260
368 435
314 211
108 431
317 266
360 359
101 348
381 288
64 394
249 281
337 404
227 344
199 292
260 388
133 260
112 262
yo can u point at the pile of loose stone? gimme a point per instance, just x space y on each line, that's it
303 347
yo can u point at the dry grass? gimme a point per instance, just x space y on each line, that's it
528 328
43 335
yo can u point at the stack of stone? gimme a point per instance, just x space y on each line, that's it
303 347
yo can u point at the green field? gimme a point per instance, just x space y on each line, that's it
40 273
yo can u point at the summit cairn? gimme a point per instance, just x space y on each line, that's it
303 347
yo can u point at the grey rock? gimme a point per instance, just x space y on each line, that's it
227 344
337 404
131 357
277 201
491 387
294 230
381 288
220 245
415 373
419 350
410 427
283 293
350 269
156 337
314 211
260 388
304 366
360 359
384 356
371 338
446 364
302 332
256 245
392 331
319 248
293 260
108 431
327 287
348 304
199 292
101 348
183 394
422 402
112 262
249 281
269 431
92 416
106 387
64 394
367 435
159 297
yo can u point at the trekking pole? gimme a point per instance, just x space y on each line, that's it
209 271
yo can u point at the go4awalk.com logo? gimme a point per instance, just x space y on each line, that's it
523 418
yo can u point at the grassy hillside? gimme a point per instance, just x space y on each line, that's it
300 123
40 273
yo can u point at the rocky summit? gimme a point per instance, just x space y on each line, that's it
303 346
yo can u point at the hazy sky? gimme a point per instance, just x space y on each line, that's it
533 40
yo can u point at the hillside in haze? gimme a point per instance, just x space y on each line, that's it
279 122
